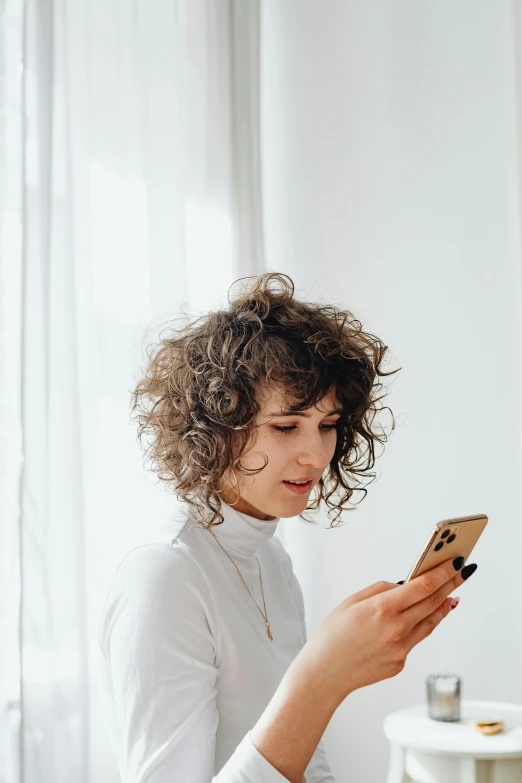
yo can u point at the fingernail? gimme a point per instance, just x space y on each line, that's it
470 569
454 602
458 563
401 583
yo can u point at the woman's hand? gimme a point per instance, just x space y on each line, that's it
367 638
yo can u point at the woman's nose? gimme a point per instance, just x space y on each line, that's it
314 453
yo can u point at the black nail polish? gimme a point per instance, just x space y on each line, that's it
470 569
401 583
458 563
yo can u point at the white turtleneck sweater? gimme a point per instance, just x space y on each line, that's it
186 667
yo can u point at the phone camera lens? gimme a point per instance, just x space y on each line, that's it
438 546
451 538
445 534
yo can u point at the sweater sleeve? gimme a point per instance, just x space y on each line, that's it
318 770
157 633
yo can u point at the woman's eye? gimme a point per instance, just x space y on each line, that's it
324 427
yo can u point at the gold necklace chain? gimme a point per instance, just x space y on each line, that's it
265 617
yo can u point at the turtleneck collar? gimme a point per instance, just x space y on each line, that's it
243 533
239 532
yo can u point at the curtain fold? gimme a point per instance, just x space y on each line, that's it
137 196
11 207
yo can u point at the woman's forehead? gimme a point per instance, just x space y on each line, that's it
273 400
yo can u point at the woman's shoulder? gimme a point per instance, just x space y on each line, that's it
154 583
154 568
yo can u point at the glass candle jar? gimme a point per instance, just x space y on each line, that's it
443 697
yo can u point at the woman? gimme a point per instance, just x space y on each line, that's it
206 673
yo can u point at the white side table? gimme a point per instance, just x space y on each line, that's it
423 750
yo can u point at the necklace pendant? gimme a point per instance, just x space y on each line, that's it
269 632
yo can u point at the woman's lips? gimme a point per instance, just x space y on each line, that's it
299 489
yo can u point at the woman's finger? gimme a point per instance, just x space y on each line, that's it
428 624
423 587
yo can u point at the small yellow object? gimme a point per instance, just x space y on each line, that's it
493 726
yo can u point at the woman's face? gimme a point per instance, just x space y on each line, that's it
303 451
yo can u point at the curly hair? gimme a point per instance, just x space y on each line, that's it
197 401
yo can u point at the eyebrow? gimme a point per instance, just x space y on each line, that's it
306 415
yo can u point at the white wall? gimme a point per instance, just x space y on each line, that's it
390 177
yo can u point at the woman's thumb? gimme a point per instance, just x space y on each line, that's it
370 591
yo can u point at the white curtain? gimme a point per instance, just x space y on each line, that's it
131 191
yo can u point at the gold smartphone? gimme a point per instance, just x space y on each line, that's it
449 538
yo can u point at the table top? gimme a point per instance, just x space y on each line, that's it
411 727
